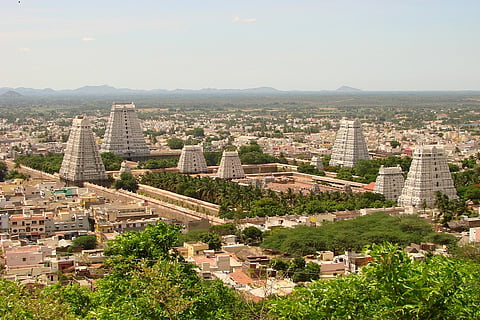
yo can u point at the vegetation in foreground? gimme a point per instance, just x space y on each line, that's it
146 280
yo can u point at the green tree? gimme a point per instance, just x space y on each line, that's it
395 143
111 161
175 143
153 243
392 286
453 167
212 239
353 234
127 182
86 242
14 174
196 132
252 235
3 170
308 168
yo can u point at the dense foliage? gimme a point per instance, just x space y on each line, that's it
391 287
158 163
296 269
111 161
354 234
366 171
146 280
175 143
253 154
309 169
127 181
3 170
15 174
49 163
239 201
86 242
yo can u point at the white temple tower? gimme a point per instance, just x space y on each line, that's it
124 167
230 166
192 160
428 174
124 135
81 161
349 145
389 182
317 162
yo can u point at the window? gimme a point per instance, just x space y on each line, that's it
24 259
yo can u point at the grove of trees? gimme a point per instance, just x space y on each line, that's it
49 163
239 201
354 234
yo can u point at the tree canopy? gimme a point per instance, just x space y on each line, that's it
393 286
175 143
353 234
127 182
111 161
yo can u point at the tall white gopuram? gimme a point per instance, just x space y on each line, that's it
192 160
389 182
428 174
230 166
81 161
317 162
123 135
349 145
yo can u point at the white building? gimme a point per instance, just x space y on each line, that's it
124 135
389 182
428 174
349 145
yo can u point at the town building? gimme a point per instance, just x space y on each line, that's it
349 145
81 161
429 173
27 225
124 135
230 166
192 160
389 182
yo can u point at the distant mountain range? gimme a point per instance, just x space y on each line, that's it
105 90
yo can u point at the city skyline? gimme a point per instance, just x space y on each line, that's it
309 45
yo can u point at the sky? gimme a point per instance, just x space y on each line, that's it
194 44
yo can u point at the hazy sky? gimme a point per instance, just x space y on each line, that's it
289 45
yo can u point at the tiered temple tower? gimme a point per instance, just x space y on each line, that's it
81 161
389 182
230 166
317 162
124 135
349 145
428 174
192 160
